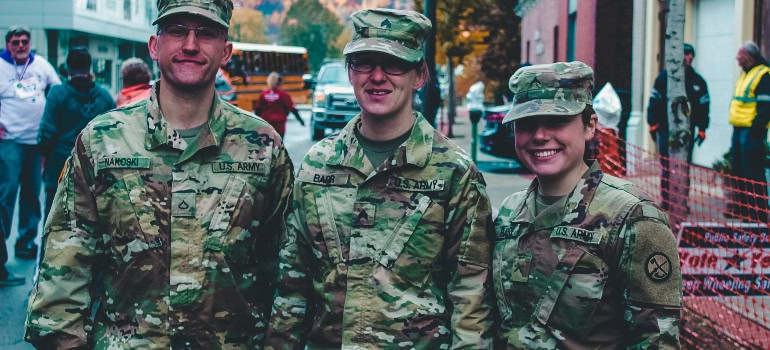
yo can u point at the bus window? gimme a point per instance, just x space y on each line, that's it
252 63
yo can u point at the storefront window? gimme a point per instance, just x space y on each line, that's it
103 72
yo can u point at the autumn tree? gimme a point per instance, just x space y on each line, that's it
458 33
313 26
501 59
247 25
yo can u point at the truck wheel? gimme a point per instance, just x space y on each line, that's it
316 133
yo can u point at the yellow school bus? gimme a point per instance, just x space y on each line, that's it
252 63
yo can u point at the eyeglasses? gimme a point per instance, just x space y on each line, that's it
392 67
23 42
178 32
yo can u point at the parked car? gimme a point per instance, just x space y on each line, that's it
334 103
496 139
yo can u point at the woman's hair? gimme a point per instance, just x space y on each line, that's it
134 71
274 80
586 114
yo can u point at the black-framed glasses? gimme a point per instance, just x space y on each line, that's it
23 42
179 32
391 67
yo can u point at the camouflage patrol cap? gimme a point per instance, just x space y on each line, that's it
218 11
562 88
393 32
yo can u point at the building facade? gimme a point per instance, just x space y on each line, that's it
595 32
113 31
716 28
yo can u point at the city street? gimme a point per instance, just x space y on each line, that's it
503 177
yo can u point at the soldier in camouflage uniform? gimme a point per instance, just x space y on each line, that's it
581 259
166 222
388 241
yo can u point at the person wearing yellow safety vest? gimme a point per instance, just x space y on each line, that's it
749 115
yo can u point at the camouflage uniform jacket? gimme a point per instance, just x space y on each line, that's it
390 258
599 269
168 244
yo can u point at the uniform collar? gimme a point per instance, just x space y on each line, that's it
160 133
570 210
416 150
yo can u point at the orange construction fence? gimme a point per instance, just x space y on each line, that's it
724 243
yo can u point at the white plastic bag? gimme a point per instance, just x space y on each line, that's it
607 106
474 99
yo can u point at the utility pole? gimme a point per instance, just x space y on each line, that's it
430 94
679 137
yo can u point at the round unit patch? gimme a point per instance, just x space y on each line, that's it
658 267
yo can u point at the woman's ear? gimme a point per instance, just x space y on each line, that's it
590 127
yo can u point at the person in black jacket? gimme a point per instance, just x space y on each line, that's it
69 107
657 116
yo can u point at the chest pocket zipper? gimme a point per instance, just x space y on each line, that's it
558 280
221 219
413 269
329 228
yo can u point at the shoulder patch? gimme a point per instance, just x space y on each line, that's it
414 185
123 162
658 267
323 179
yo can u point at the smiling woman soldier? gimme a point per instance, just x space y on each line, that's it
581 259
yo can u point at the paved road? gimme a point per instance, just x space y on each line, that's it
503 178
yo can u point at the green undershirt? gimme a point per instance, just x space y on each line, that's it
543 202
378 151
191 136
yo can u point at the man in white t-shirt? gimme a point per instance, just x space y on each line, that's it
24 79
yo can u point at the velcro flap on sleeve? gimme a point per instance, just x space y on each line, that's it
654 271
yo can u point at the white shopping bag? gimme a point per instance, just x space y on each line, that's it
607 107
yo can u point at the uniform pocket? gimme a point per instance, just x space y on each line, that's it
515 293
581 296
224 233
133 234
411 249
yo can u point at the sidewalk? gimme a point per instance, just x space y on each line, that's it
503 176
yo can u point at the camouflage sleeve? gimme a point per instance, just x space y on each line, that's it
468 258
652 279
61 302
288 323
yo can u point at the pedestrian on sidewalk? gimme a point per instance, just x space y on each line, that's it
167 219
657 117
274 105
7 279
24 79
750 118
136 81
69 107
582 259
388 241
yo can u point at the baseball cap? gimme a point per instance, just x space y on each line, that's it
394 32
689 49
561 88
218 11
